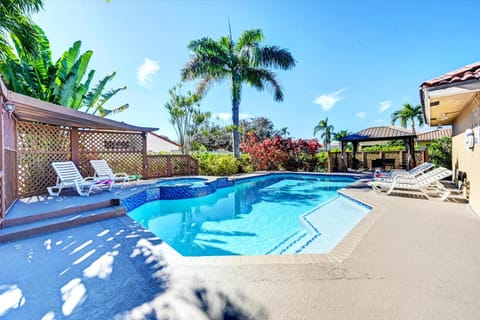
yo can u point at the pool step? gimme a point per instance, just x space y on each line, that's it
52 222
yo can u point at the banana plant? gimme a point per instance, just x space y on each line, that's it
61 82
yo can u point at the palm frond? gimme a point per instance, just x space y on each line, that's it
102 112
261 78
201 66
207 82
274 56
93 95
249 38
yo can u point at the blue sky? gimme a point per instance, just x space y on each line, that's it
357 61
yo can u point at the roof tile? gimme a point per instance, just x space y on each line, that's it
469 72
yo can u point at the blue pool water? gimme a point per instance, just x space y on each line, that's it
273 214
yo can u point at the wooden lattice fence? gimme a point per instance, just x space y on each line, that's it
38 145
171 165
122 150
366 158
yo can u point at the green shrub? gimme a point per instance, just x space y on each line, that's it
440 152
245 164
216 164
322 161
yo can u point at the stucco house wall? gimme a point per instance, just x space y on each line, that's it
465 159
156 143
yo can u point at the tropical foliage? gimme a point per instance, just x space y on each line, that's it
408 113
211 164
15 20
277 153
185 116
216 137
61 82
440 152
404 115
243 62
327 131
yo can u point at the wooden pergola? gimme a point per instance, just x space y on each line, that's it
383 133
35 133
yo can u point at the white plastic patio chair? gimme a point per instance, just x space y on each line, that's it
68 176
103 171
427 184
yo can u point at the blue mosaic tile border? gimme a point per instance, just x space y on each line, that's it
291 244
135 200
281 243
297 174
361 203
174 192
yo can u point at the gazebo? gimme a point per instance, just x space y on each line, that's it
382 133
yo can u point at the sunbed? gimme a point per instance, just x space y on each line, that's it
68 176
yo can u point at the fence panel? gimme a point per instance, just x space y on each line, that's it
123 151
367 157
38 145
171 165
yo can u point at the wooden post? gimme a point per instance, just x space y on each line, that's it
144 156
169 165
75 146
188 165
354 155
2 160
412 151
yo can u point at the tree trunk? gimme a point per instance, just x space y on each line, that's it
236 133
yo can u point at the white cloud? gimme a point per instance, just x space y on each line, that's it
361 114
327 100
384 105
225 116
146 71
245 116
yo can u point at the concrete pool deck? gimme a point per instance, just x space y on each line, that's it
416 259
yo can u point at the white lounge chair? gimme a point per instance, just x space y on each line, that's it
418 170
427 184
68 176
410 177
103 171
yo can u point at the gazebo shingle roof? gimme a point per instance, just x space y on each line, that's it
380 133
435 134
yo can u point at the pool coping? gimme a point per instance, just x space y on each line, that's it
338 254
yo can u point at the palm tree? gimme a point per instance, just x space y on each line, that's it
337 136
60 82
15 19
283 132
245 61
408 113
327 131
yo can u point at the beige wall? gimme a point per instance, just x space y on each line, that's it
156 144
465 159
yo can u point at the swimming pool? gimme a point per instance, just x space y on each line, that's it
273 214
